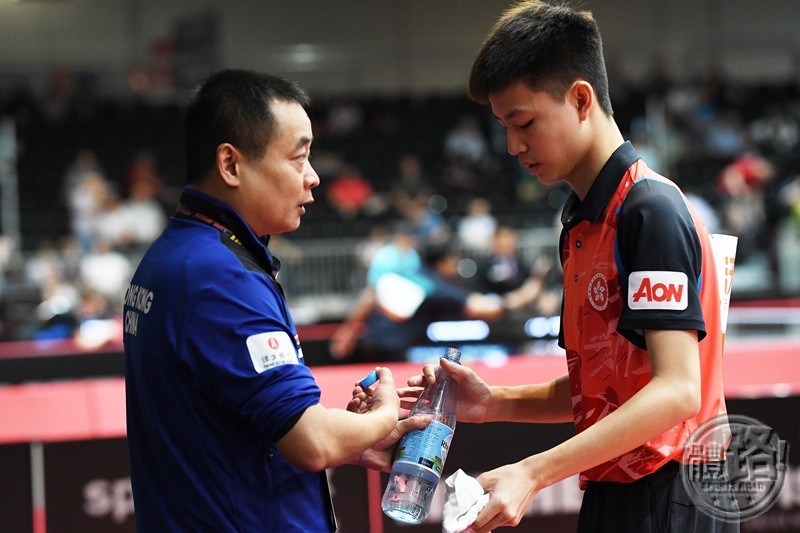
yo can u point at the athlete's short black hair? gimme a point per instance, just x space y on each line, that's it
546 46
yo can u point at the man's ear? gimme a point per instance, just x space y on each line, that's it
583 97
229 164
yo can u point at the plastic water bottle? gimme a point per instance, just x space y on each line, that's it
421 453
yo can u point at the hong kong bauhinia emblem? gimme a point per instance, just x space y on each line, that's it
598 291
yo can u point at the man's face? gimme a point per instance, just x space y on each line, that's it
276 187
541 131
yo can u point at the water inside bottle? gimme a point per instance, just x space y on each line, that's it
408 498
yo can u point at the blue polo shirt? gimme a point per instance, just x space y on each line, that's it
215 376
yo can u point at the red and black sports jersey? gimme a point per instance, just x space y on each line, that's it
635 257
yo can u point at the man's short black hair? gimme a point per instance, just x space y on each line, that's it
233 106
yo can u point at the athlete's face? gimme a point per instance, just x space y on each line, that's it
545 134
276 188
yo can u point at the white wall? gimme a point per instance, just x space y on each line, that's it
391 45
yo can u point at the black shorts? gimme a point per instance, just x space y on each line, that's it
657 503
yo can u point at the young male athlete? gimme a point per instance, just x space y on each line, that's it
640 317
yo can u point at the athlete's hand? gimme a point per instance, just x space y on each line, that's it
512 488
474 395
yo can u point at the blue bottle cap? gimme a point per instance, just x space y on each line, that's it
369 379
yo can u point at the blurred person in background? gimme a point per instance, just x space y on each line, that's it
106 270
350 193
742 184
505 272
410 186
477 227
86 189
225 426
142 207
642 371
467 155
394 310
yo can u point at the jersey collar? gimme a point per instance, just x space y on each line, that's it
230 219
601 191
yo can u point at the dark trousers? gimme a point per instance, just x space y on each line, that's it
657 503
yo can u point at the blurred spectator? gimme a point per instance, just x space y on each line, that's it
477 227
410 186
106 271
725 135
777 131
85 161
466 142
87 193
58 295
505 272
133 222
741 184
429 225
110 224
398 256
143 211
393 313
99 322
350 193
90 322
142 178
344 118
379 236
467 157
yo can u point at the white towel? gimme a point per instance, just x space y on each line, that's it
464 499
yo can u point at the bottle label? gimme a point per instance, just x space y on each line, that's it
426 447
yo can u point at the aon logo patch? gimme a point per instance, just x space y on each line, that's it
658 289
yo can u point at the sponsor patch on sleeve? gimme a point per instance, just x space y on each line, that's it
658 289
271 349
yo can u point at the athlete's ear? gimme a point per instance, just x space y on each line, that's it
228 164
583 96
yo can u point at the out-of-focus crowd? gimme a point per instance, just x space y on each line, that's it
434 163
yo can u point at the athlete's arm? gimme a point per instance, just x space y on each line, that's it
479 402
671 396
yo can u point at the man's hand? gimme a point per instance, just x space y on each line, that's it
381 393
379 457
